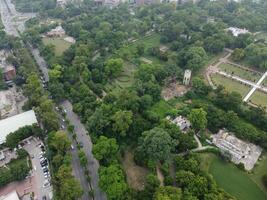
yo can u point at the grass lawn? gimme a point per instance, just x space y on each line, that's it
136 175
124 80
248 75
234 181
262 35
161 108
258 171
230 85
259 98
60 44
264 83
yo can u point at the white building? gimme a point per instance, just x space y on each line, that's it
237 31
187 77
15 122
10 196
240 151
180 121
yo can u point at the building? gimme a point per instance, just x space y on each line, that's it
56 32
61 3
240 151
10 196
237 31
180 121
9 71
187 77
15 122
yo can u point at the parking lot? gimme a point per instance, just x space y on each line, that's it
40 167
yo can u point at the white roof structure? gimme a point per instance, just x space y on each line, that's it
180 121
15 122
10 196
237 31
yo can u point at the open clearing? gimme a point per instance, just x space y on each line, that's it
230 85
259 98
124 80
161 108
60 44
242 73
135 174
234 181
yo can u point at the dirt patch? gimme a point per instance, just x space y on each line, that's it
172 90
135 174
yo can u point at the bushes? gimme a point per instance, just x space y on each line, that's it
14 138
16 170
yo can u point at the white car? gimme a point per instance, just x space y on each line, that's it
46 183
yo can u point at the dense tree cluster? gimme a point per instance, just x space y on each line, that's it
64 183
16 170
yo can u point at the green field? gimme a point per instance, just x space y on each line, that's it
124 80
60 44
264 83
259 98
162 108
248 75
262 35
234 181
230 85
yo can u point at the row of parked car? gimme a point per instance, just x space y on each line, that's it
44 165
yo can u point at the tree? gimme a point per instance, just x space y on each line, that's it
122 121
105 149
83 158
69 188
238 54
264 180
60 142
112 182
194 58
198 119
113 67
156 144
168 193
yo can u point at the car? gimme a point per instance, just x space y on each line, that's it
72 147
46 183
41 156
81 144
44 198
57 108
63 120
44 165
62 126
45 170
65 111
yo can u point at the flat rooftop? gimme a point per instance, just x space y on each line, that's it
15 122
10 196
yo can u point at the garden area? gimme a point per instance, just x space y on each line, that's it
236 182
60 44
259 98
124 80
242 73
230 85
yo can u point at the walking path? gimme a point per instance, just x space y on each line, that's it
257 86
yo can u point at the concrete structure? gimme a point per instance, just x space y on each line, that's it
240 151
180 121
56 32
187 77
10 196
8 70
13 123
7 103
237 31
61 3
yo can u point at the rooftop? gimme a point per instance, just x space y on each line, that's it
10 196
13 123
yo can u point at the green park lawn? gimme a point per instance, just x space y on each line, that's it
259 98
248 75
60 44
124 80
161 108
233 180
230 85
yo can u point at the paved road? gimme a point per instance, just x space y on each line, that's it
40 61
82 136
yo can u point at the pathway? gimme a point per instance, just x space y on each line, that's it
160 175
257 86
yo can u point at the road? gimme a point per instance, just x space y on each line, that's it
82 136
40 61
